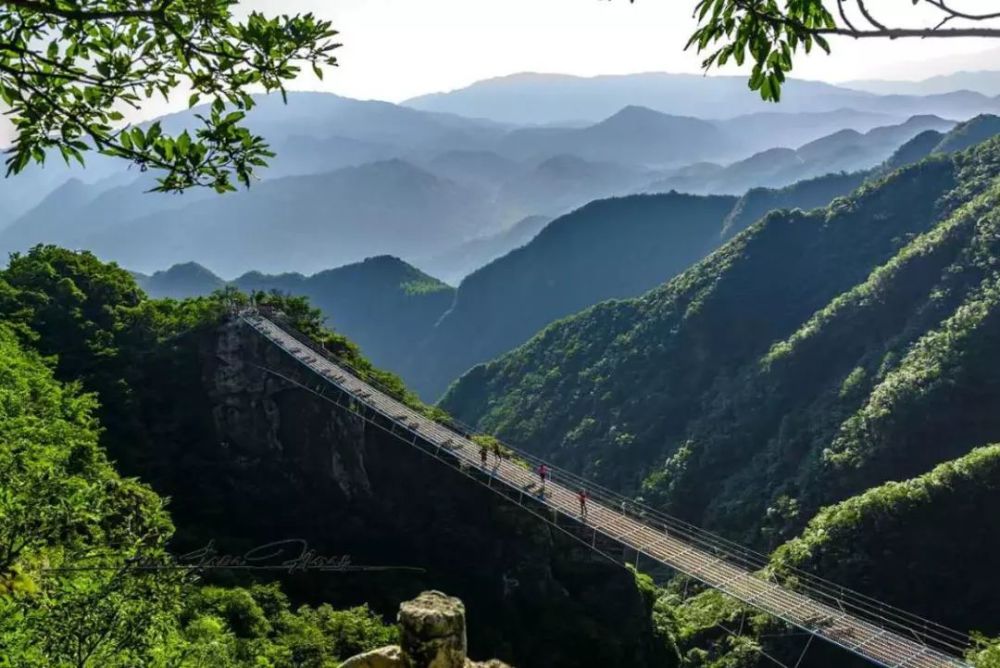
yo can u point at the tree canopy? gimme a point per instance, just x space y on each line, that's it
770 33
70 68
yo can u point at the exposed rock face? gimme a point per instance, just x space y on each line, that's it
433 636
433 631
285 464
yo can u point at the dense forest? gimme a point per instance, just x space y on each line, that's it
86 575
810 361
154 390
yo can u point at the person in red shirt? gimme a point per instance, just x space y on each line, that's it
583 504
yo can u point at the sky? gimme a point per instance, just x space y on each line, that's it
396 49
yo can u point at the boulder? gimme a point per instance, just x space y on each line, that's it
432 630
432 635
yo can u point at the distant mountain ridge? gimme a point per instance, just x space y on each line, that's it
985 82
533 98
380 303
309 222
845 150
633 135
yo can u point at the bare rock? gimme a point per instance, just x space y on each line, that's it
383 657
433 631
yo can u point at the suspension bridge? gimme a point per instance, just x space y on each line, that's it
882 634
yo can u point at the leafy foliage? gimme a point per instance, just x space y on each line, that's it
878 542
883 299
85 576
770 35
771 32
69 68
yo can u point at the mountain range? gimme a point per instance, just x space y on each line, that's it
533 98
450 181
843 151
985 82
609 249
824 383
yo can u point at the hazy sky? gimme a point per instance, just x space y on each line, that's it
394 49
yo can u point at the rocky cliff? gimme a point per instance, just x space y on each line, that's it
287 466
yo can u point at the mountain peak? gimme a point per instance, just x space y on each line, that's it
638 115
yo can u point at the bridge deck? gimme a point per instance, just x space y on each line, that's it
864 637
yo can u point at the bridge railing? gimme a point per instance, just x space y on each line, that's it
838 597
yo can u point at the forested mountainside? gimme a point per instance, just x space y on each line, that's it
381 304
891 378
805 195
85 574
813 357
970 133
610 248
206 412
898 542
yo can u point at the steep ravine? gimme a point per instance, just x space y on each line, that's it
290 465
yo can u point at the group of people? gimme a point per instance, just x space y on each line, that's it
543 473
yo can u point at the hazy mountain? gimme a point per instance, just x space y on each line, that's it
552 98
608 249
21 192
960 137
565 182
180 282
308 222
381 303
482 169
313 133
533 98
540 285
774 129
845 150
75 212
808 194
633 135
986 82
328 116
305 154
914 150
968 134
456 263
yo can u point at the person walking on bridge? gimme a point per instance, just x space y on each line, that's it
583 504
543 473
483 454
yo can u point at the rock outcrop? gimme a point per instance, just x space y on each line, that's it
432 629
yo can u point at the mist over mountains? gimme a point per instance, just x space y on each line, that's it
355 179
556 98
